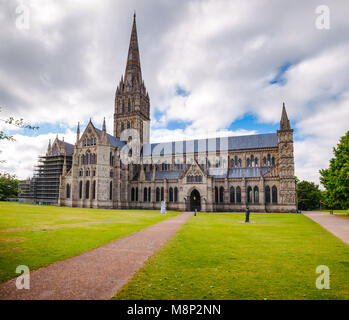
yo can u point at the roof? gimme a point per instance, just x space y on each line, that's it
215 172
69 148
115 142
237 172
162 175
267 140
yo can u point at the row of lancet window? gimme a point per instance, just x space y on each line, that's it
252 195
89 142
123 107
251 162
88 158
89 191
159 194
194 179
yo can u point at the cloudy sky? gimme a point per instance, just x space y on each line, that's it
209 65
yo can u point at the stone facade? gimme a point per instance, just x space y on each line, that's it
124 170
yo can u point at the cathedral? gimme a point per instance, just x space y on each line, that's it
125 170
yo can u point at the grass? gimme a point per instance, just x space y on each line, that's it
217 256
37 236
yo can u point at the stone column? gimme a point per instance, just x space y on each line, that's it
243 192
262 194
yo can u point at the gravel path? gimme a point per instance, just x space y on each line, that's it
339 226
99 273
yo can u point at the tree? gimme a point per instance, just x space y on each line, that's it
309 195
8 186
9 183
335 179
19 123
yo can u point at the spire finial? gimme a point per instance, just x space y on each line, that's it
134 14
284 123
133 66
78 132
104 126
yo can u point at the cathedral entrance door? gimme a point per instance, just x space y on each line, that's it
195 202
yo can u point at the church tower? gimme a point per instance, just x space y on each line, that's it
288 191
132 105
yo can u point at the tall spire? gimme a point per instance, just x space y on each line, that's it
78 132
284 123
104 129
133 67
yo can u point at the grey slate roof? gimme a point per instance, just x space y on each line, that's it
162 175
246 172
115 142
215 172
212 144
69 148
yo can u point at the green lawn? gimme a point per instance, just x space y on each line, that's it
217 256
40 235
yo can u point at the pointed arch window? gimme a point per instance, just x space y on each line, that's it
273 161
80 190
176 194
238 194
256 162
157 194
256 194
171 195
216 194
249 194
68 191
267 194
232 195
94 190
129 106
136 194
132 194
128 125
87 190
111 190
162 193
123 108
274 194
221 194
145 195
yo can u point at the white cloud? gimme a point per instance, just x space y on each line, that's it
224 52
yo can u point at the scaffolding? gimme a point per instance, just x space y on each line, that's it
46 178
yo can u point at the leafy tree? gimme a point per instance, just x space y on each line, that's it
9 183
8 186
19 123
309 195
335 179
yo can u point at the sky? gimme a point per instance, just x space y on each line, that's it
209 66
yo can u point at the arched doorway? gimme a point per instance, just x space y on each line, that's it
195 202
